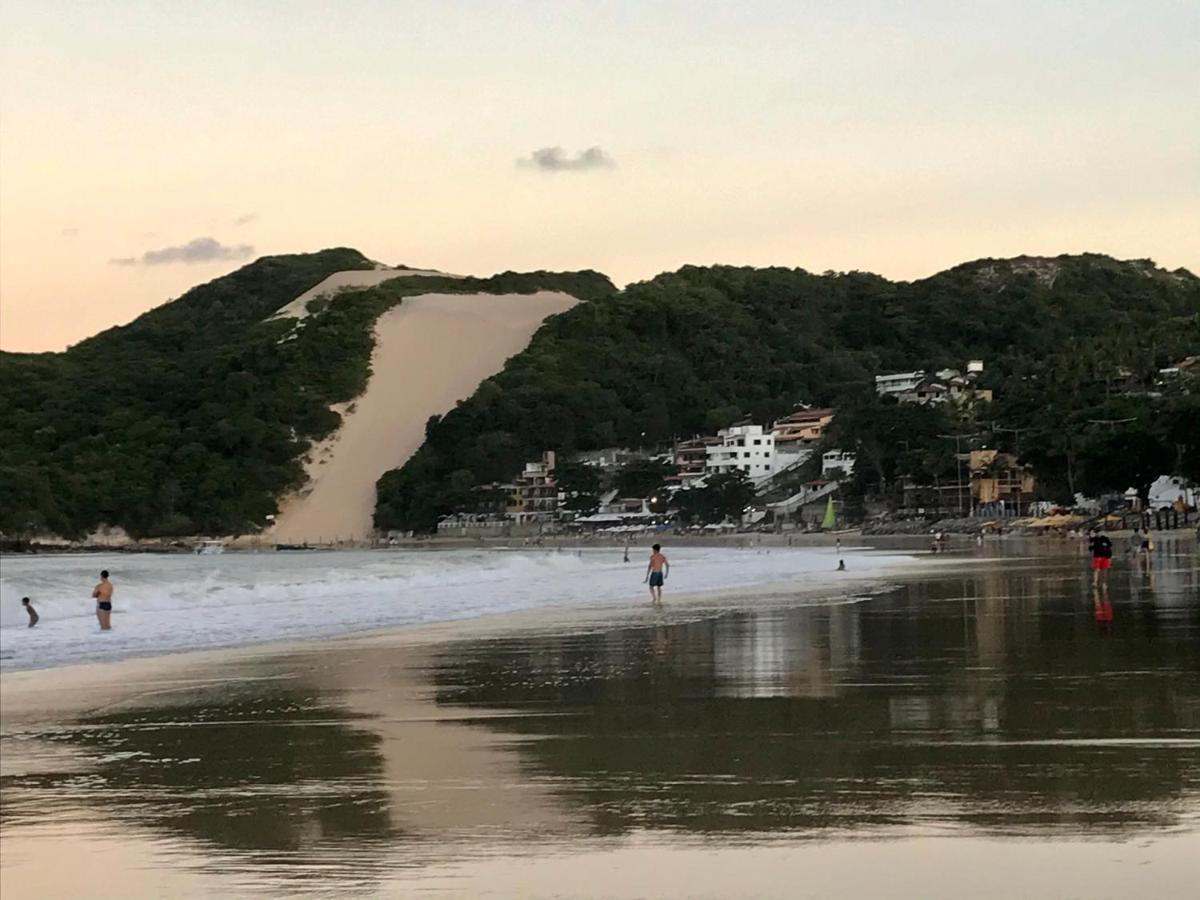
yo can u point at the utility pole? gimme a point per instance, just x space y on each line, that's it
1016 432
958 455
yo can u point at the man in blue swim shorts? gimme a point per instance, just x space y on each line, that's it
656 573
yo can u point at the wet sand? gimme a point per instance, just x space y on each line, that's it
989 729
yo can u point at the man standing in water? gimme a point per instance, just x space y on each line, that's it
103 595
656 573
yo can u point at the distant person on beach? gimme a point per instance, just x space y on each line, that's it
33 616
841 565
103 595
656 573
626 553
1147 546
1102 551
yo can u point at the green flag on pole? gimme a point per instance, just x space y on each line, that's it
830 519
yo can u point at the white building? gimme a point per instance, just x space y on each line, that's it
834 460
898 382
747 448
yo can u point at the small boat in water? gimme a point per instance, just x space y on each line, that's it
208 548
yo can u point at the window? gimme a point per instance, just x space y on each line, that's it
746 455
757 442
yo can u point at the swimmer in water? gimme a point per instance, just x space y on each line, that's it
102 594
33 616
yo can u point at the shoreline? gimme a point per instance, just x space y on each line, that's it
20 687
248 545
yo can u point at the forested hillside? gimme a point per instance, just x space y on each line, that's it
194 418
1066 341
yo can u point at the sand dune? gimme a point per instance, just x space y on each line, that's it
355 278
430 352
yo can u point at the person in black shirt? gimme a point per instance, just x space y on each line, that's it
1102 551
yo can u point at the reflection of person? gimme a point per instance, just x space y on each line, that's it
1101 548
33 616
656 573
1102 609
103 593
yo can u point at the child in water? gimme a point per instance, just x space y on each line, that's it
33 616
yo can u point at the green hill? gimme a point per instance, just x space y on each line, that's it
195 417
693 350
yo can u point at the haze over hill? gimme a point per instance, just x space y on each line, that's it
197 418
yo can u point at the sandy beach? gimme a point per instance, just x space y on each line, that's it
974 725
430 352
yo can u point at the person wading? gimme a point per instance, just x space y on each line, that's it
103 593
656 573
1102 551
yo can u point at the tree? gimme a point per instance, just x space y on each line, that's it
580 483
1119 458
643 478
723 496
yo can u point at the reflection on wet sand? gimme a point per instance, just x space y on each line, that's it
984 702
1004 702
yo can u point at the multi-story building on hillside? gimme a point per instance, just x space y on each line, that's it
691 457
535 493
803 425
743 447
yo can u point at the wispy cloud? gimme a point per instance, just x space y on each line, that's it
555 159
198 250
245 219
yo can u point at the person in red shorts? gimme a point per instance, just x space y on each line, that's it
1102 551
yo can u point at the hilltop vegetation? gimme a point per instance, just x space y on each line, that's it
195 417
693 350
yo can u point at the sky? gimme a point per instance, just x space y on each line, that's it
148 147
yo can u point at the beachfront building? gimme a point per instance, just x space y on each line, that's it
691 457
534 497
999 482
834 461
744 447
898 382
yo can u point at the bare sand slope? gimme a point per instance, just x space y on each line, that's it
354 278
430 352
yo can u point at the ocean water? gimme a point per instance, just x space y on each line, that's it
166 603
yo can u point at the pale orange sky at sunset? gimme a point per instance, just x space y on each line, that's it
148 147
